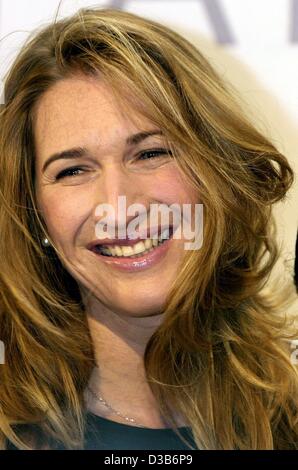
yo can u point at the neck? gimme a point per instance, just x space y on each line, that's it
119 343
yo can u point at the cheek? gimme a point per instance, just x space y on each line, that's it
173 188
170 187
63 214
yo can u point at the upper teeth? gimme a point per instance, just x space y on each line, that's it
139 247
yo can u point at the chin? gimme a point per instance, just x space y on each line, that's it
131 301
136 307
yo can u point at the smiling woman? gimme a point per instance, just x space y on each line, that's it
116 342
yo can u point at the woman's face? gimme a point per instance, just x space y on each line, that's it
82 113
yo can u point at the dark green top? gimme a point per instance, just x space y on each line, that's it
104 434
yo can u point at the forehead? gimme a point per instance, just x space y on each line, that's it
83 109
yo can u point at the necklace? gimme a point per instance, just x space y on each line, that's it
101 399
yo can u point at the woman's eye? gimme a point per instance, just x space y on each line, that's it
148 155
69 172
153 154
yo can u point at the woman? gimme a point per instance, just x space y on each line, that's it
180 346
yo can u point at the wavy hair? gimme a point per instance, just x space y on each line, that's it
221 355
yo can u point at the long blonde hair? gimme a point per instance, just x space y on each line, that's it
220 357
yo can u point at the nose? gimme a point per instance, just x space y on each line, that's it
118 188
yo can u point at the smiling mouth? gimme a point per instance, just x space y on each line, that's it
137 250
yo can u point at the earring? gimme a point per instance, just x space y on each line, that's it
45 242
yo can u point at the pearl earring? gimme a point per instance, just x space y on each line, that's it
45 242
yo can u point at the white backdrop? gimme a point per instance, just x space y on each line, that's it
253 43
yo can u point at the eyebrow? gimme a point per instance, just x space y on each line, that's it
79 152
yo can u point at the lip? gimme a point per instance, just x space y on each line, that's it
137 264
